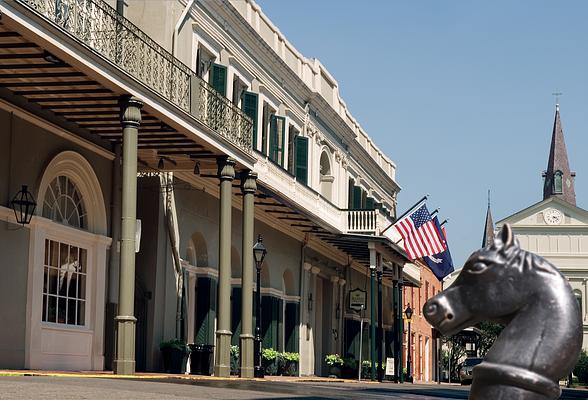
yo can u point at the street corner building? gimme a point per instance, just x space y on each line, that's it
158 140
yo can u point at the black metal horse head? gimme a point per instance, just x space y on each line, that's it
542 337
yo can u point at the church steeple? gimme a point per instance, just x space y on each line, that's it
488 237
558 179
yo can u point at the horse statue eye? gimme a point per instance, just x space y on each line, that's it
478 268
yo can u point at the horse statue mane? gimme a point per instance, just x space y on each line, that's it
542 337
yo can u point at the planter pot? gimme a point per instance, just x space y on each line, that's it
270 366
201 362
334 371
174 360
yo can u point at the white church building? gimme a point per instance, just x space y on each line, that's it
556 228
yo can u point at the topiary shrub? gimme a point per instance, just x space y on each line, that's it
581 368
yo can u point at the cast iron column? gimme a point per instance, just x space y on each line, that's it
409 347
258 369
226 174
248 187
395 344
373 262
400 327
124 363
379 335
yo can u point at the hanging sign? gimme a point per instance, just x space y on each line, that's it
357 299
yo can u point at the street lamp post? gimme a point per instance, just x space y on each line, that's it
259 253
408 314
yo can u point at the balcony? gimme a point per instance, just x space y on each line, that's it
369 222
99 27
366 222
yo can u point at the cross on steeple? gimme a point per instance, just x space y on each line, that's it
557 93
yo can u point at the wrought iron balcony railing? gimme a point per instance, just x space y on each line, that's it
98 26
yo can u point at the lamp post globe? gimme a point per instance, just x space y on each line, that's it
259 252
408 312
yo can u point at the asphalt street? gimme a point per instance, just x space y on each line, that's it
42 387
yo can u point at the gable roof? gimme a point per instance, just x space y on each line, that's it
534 208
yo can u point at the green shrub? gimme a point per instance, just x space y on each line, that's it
581 368
269 354
235 362
334 360
175 344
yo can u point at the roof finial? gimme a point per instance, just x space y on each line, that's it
557 93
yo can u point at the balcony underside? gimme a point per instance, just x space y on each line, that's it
56 86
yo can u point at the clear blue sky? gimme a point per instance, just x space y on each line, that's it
457 93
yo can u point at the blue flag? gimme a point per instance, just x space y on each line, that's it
441 264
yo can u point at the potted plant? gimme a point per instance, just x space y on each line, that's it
349 368
235 360
175 353
335 362
269 361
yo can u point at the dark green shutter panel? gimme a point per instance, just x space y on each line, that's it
249 107
277 139
363 199
291 320
235 315
370 204
350 193
205 311
301 168
266 322
273 138
218 78
356 198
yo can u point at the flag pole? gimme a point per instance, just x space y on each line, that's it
418 203
444 222
435 211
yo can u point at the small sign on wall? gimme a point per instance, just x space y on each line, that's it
390 366
357 299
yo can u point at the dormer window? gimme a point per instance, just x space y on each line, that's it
558 182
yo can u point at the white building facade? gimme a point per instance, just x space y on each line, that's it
215 93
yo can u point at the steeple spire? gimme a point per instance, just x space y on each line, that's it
558 179
488 237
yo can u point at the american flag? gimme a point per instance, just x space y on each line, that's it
421 238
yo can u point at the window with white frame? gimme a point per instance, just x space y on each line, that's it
65 264
64 283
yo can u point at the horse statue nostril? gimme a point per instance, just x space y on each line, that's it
449 316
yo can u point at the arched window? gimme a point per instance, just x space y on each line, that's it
326 176
558 182
65 269
64 204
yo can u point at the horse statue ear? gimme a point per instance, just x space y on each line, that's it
505 237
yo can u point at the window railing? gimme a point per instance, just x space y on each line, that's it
99 27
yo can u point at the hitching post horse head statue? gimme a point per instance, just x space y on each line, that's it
542 337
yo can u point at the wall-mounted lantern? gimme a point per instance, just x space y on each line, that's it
24 206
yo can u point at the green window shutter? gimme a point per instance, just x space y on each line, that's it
356 197
370 204
277 139
301 163
235 315
350 193
291 320
218 78
249 107
363 199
